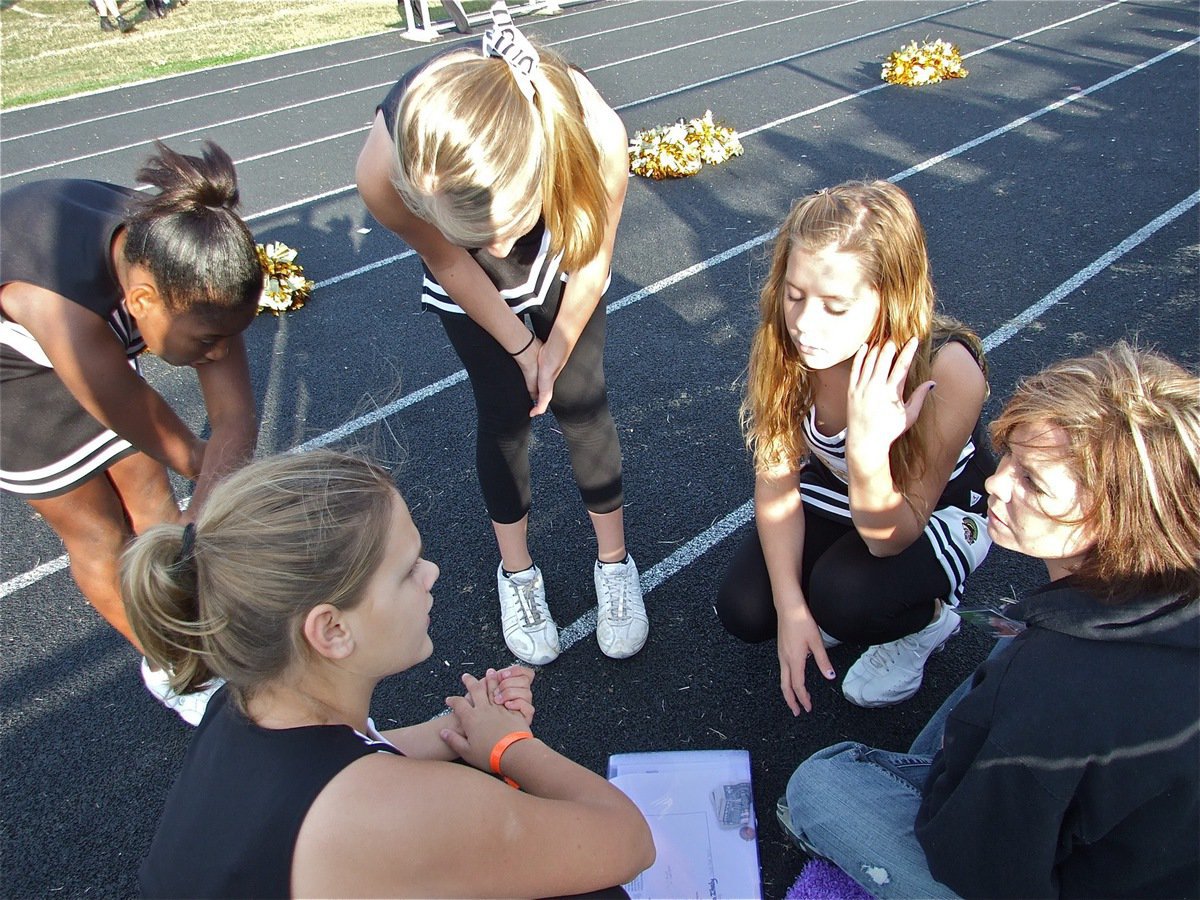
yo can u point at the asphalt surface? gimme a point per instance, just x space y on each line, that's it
1058 187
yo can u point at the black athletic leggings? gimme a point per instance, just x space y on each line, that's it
502 404
854 596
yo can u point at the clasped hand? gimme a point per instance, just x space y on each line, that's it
540 366
492 706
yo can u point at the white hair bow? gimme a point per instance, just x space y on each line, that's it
505 41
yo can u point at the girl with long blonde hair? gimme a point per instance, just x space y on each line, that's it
869 495
506 171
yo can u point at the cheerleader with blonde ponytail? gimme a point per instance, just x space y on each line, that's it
506 171
303 584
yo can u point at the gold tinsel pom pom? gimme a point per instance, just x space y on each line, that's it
929 63
681 149
284 284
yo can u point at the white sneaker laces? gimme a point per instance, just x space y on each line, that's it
614 583
884 656
527 603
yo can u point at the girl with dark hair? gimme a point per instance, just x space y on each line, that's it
303 584
92 274
506 171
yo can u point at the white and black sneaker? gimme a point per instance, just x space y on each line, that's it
621 623
529 631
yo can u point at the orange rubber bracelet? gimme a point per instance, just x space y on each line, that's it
498 751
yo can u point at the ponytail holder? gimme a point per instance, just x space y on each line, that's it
187 547
506 42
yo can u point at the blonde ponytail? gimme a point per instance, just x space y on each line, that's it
574 197
159 590
275 539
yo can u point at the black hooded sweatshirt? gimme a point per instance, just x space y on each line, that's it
1072 768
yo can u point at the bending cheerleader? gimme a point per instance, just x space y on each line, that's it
92 274
506 171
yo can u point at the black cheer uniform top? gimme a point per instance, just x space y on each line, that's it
57 235
231 820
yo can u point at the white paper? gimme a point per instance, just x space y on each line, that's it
682 794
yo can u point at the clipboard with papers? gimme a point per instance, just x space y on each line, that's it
700 808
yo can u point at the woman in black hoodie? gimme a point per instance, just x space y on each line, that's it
1067 766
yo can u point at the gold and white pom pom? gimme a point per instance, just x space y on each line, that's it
284 284
928 63
682 149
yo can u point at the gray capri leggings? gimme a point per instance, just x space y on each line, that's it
502 404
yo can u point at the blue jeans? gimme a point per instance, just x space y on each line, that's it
855 806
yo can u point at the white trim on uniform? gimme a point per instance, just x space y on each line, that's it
77 467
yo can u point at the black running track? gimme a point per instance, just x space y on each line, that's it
1058 186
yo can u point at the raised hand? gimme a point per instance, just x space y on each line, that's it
876 411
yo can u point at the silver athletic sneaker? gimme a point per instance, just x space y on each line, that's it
892 672
529 631
621 622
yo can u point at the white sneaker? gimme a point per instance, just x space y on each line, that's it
529 631
190 707
892 672
621 623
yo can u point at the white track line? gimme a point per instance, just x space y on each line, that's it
322 99
624 106
879 87
378 87
795 56
345 189
717 37
1016 323
36 574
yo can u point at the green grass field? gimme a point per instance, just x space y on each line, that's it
55 48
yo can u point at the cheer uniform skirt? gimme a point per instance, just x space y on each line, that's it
49 444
